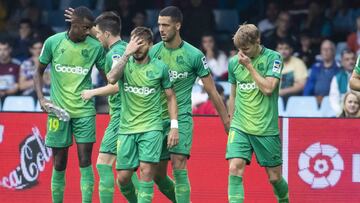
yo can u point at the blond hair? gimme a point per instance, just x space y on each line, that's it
246 34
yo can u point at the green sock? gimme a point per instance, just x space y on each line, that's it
235 189
129 192
182 186
87 183
281 191
106 183
166 186
146 192
57 186
135 181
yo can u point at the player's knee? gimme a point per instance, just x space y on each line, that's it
60 166
274 176
237 167
179 162
84 161
122 179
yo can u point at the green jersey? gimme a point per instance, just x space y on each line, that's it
71 65
141 87
185 63
112 56
357 65
254 112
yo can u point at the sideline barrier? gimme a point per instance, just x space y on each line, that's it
321 162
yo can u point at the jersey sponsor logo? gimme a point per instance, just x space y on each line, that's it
247 86
71 69
205 64
139 90
177 75
320 166
277 66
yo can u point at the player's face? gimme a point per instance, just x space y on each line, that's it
101 36
167 28
81 29
351 104
250 50
348 61
285 50
142 52
5 51
35 50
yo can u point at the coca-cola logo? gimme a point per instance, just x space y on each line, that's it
33 157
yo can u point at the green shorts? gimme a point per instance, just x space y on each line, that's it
108 143
267 148
133 148
59 133
185 123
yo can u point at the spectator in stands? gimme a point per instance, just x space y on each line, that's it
216 59
280 32
340 82
207 108
139 19
27 71
294 73
22 43
9 71
351 106
353 40
268 23
126 11
318 84
25 9
306 51
316 23
342 20
198 19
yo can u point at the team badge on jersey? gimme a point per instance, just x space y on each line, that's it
203 59
85 53
150 74
180 60
115 58
277 66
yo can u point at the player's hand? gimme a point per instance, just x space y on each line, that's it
243 59
44 104
227 126
86 94
134 45
69 15
173 138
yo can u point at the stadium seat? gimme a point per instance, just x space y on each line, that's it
226 86
302 106
325 108
281 107
19 103
152 17
226 20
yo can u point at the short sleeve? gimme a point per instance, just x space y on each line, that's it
357 66
201 66
165 82
46 52
100 60
231 75
274 66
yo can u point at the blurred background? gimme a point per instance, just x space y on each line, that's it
319 42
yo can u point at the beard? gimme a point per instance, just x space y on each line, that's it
140 57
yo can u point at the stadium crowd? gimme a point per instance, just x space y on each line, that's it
318 40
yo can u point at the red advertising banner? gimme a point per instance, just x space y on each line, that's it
321 162
324 160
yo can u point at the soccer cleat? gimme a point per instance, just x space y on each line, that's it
59 112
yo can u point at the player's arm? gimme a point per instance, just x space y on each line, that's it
215 98
117 71
355 81
107 90
173 137
232 101
38 84
266 84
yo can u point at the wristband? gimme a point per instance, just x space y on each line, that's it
174 124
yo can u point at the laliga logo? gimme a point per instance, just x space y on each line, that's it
320 166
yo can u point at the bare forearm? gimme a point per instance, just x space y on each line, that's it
118 70
38 82
264 85
26 84
172 107
355 83
219 105
231 106
106 90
